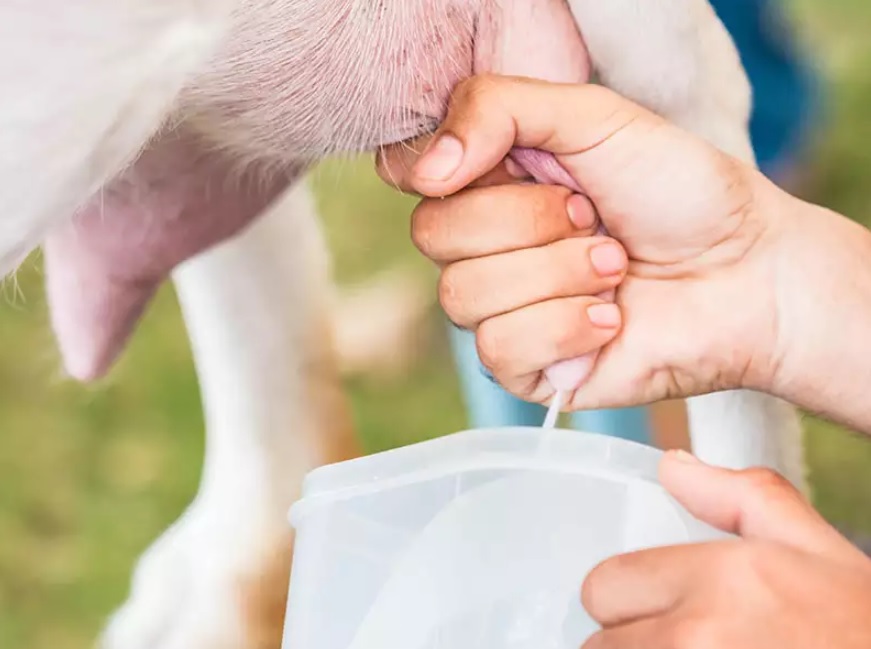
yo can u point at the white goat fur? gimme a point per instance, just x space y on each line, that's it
86 84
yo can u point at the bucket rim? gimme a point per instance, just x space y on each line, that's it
520 448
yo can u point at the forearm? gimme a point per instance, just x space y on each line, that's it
823 279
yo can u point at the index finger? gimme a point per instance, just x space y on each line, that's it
488 221
489 115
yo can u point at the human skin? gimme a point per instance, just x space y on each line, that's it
788 579
724 280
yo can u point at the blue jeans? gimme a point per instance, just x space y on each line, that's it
783 108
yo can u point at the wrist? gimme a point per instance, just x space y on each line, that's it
769 326
819 354
743 350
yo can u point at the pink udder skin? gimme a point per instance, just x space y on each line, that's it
103 269
279 90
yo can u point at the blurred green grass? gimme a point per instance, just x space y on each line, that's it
90 476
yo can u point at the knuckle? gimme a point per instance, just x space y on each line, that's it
488 342
451 295
422 229
765 481
478 85
475 92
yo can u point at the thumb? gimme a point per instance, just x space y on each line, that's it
753 503
490 115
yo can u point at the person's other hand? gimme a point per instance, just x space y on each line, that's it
789 580
695 262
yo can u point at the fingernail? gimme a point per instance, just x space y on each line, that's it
608 259
442 159
606 316
686 458
581 212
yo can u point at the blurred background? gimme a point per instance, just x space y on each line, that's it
90 476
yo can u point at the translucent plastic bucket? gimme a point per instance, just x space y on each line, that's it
479 540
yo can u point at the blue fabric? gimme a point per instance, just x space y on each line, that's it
487 404
783 108
784 84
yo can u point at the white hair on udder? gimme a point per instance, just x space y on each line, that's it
282 87
85 85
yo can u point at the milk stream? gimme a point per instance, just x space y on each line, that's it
553 410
